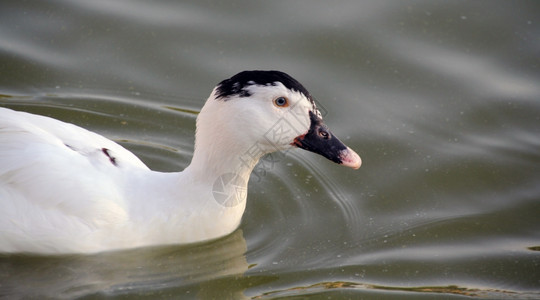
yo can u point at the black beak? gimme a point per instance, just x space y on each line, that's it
320 140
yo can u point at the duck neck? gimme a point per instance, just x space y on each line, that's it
222 144
217 158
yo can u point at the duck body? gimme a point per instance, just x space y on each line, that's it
64 189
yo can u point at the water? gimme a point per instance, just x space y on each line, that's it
440 99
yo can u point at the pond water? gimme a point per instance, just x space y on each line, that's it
440 99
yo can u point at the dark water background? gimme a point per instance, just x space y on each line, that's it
441 99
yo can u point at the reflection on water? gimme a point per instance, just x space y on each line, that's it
439 99
347 289
194 270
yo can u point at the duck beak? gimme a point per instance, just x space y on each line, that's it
320 140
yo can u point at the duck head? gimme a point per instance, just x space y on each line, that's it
258 112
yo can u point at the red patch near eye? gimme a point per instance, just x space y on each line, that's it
298 140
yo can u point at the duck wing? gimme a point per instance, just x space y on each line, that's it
58 179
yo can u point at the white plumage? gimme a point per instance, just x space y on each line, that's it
64 189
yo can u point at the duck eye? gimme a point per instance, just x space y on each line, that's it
281 102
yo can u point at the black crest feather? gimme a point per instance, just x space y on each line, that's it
236 85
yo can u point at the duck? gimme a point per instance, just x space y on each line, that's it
64 189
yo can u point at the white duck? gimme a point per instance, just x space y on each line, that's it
64 189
